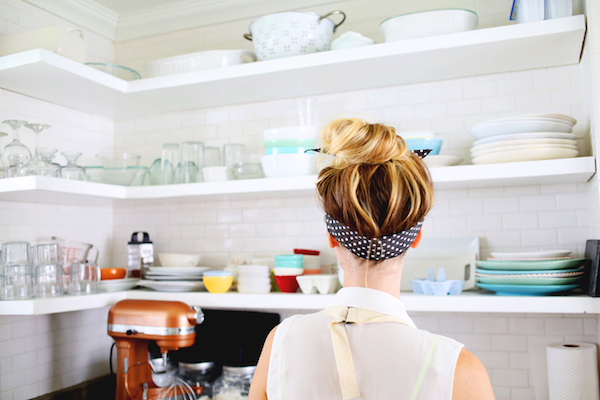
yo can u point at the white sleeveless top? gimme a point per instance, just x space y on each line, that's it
392 360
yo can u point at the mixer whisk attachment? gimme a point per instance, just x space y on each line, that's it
178 389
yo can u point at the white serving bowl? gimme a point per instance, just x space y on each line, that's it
351 39
428 23
179 260
286 165
253 280
200 61
284 271
253 270
254 289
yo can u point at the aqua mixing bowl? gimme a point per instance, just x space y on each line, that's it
286 150
424 143
289 261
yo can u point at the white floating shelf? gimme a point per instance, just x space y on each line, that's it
52 190
466 302
50 77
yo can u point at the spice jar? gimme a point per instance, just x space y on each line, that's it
234 383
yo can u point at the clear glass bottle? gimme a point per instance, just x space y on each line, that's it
234 383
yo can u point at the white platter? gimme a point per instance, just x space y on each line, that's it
441 161
152 277
534 254
177 270
116 285
522 142
508 127
173 286
562 117
479 153
525 155
527 135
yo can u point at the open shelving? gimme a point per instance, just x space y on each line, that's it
56 79
51 190
466 302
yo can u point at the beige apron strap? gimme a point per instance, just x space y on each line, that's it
341 346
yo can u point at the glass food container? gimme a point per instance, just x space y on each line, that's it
234 383
199 375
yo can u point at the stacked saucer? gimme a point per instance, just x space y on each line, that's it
254 278
530 273
174 279
524 138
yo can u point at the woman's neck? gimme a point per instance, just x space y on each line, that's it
385 276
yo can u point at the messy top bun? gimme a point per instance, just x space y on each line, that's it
373 184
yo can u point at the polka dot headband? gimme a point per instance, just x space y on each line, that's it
376 249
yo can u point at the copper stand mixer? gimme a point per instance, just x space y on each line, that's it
133 323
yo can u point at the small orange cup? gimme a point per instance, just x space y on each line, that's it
112 273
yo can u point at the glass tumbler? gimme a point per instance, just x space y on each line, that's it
164 173
18 282
192 162
212 157
84 278
46 254
233 154
48 281
16 253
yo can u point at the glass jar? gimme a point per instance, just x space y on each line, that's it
234 384
199 375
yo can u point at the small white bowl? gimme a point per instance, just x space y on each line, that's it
215 174
253 270
288 271
254 289
287 165
179 260
253 281
351 39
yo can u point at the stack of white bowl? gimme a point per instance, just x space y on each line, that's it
285 151
524 138
254 279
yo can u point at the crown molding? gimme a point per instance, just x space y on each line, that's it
84 13
189 14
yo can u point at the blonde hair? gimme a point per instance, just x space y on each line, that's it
373 184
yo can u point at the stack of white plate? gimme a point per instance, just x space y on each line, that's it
531 273
524 138
174 279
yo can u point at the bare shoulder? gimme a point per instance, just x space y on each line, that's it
471 381
258 388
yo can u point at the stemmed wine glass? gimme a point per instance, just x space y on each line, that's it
72 170
37 165
15 154
3 173
47 154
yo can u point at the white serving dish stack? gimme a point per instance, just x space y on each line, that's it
199 61
290 164
253 279
524 138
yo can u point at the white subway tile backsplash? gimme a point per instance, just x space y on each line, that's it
510 377
509 342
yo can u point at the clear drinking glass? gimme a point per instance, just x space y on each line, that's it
165 175
18 282
48 155
3 173
212 157
46 254
15 253
72 170
84 278
233 154
192 162
15 154
48 281
38 165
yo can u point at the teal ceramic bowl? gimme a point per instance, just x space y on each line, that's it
285 150
424 144
289 261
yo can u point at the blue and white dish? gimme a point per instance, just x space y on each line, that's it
526 290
